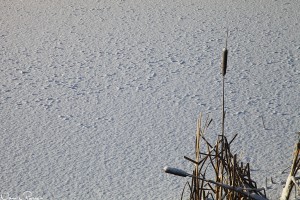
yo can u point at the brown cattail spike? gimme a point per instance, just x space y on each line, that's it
224 57
224 61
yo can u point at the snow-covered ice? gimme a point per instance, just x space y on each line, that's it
98 96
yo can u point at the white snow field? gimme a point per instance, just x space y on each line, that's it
98 96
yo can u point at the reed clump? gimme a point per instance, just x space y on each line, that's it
231 178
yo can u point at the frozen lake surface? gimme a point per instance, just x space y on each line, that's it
98 96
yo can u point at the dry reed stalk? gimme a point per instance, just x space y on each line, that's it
290 182
197 152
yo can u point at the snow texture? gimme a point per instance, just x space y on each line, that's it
98 96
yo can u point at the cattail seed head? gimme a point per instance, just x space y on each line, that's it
224 61
175 171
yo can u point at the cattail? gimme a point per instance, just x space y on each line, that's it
224 57
224 61
175 171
